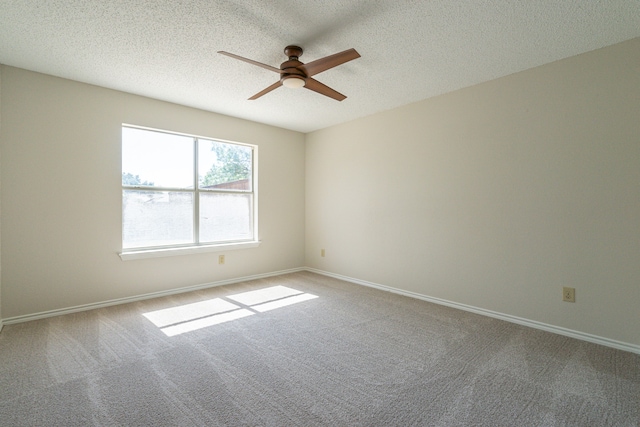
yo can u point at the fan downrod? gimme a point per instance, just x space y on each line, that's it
293 52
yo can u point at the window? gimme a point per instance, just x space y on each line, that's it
185 191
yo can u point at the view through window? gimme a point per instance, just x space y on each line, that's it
180 190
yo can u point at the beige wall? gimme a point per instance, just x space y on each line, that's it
61 196
0 200
495 196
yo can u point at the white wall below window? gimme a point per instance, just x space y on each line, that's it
495 196
61 196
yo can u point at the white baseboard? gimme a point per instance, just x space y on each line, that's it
85 307
507 317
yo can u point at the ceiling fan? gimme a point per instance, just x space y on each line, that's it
295 74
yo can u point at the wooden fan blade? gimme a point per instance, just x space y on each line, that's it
316 86
319 65
250 61
276 85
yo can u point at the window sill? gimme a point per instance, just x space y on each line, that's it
186 250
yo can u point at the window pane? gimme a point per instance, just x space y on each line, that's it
156 218
224 166
225 217
159 159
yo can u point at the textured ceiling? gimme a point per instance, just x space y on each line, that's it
411 50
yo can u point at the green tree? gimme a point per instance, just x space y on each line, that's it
131 179
233 163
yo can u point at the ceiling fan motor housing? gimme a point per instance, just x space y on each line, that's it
290 68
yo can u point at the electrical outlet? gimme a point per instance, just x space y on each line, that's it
569 294
220 259
322 252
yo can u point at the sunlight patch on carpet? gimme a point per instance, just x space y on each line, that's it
283 302
190 317
216 319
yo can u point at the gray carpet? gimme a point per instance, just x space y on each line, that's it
351 356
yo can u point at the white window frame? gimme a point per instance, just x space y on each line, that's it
196 247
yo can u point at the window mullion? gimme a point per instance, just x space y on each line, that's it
196 195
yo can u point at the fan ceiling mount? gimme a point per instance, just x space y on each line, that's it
295 74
